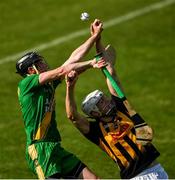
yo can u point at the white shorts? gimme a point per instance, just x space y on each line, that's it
154 172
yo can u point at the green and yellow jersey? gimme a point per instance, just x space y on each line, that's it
118 139
38 109
44 153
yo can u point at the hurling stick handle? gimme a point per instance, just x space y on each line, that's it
111 79
113 83
134 116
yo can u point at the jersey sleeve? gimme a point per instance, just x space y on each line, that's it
94 133
30 83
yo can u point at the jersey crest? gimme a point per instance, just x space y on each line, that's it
118 129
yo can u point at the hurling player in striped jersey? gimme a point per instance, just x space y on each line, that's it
117 128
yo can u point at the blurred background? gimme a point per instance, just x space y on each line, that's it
143 35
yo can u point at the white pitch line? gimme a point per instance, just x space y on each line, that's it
107 24
164 141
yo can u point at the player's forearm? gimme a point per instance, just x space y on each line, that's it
110 87
99 46
115 77
78 120
78 54
81 66
71 108
60 72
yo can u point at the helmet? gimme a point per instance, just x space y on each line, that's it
90 101
26 61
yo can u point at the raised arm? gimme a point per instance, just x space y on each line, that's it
79 53
75 57
109 54
80 121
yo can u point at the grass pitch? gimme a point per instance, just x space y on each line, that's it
145 65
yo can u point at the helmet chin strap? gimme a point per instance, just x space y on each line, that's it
34 67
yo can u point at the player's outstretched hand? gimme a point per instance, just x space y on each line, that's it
96 27
100 63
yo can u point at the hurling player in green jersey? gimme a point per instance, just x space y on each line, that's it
36 90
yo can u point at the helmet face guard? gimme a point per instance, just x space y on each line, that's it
90 102
26 61
111 110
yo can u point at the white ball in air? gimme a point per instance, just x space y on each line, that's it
84 16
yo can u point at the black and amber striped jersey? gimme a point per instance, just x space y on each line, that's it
118 139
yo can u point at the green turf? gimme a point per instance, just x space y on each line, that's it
145 66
